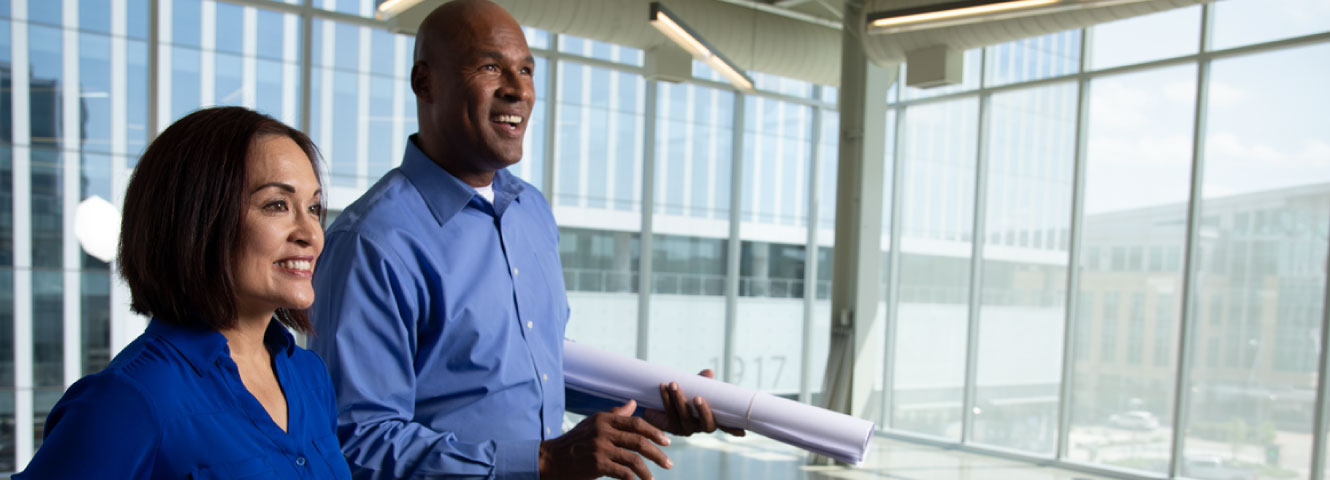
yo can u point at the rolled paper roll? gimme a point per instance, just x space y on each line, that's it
818 430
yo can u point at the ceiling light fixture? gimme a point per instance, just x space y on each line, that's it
392 8
966 11
668 23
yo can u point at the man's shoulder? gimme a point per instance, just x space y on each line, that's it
381 207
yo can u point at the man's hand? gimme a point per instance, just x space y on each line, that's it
607 444
680 418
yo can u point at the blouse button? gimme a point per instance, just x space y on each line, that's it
300 461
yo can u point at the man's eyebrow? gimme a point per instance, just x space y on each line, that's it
497 55
287 187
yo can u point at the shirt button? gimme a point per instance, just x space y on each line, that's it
530 324
514 271
547 430
300 461
545 377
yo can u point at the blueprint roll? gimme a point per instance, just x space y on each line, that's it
818 430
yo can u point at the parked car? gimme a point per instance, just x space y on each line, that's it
1134 420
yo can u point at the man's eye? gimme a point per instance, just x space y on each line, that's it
526 71
491 67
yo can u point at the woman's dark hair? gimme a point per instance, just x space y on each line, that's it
182 217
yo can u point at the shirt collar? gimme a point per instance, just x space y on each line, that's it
202 346
445 194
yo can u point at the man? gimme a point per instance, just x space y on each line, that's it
441 307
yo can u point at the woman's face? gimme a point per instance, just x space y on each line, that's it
280 235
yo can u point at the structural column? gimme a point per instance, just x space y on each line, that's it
850 370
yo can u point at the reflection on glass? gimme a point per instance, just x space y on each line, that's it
1167 34
1033 58
1136 184
1261 251
1031 155
1243 22
940 140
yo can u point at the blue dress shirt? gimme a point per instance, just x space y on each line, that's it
172 405
441 316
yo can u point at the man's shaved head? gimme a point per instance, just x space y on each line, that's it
473 82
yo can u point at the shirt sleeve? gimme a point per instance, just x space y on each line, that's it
102 427
365 317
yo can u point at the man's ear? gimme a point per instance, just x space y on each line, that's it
420 82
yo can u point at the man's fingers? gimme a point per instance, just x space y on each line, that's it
738 432
633 445
616 470
668 407
639 426
626 409
707 420
687 423
707 373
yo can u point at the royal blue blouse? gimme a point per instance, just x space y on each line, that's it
172 405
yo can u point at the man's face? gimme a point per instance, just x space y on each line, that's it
483 92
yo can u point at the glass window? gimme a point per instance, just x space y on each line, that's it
600 271
1242 22
939 145
598 199
600 133
1033 58
1031 154
1136 187
1253 410
599 50
1166 34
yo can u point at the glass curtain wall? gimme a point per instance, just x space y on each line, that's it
1089 377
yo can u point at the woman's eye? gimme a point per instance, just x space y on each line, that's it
316 210
276 206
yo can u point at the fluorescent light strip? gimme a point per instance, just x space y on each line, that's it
664 21
671 29
959 12
393 8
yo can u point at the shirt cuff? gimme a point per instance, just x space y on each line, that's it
517 459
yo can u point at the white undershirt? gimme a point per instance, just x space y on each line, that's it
487 191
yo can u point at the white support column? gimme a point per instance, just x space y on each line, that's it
850 374
249 62
290 70
161 95
552 64
126 325
734 246
325 121
1070 330
612 149
584 139
644 269
978 236
362 106
207 54
811 253
402 66
1192 253
22 214
70 151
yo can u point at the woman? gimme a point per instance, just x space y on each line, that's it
222 227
